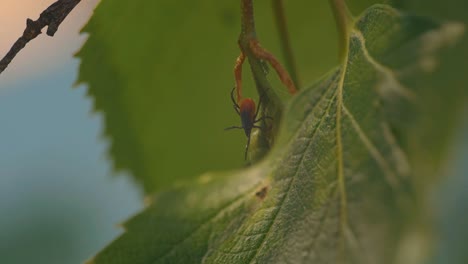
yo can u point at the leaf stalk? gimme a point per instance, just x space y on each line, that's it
344 23
285 40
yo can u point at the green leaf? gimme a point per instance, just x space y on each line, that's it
161 73
336 188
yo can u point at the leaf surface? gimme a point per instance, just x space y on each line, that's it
337 186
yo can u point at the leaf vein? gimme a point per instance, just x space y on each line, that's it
388 75
373 150
293 177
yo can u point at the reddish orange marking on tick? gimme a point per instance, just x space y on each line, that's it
248 105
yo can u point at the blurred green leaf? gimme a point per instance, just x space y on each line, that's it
337 186
428 138
154 69
431 138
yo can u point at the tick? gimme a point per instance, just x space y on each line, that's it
248 114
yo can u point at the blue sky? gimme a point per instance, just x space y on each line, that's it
59 200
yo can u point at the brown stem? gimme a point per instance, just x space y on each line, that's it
250 47
247 18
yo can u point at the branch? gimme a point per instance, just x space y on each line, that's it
52 17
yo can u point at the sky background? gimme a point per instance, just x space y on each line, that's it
59 200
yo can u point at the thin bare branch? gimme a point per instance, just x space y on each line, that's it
52 17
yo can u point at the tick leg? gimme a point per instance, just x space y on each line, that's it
260 101
282 73
235 105
263 118
233 127
238 75
260 127
237 109
232 98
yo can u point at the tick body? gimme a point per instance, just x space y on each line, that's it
248 113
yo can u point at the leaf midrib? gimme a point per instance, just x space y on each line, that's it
290 184
339 148
370 146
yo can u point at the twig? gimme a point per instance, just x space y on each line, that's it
52 17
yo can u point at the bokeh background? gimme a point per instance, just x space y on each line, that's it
60 201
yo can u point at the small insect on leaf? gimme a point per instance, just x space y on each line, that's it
248 113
